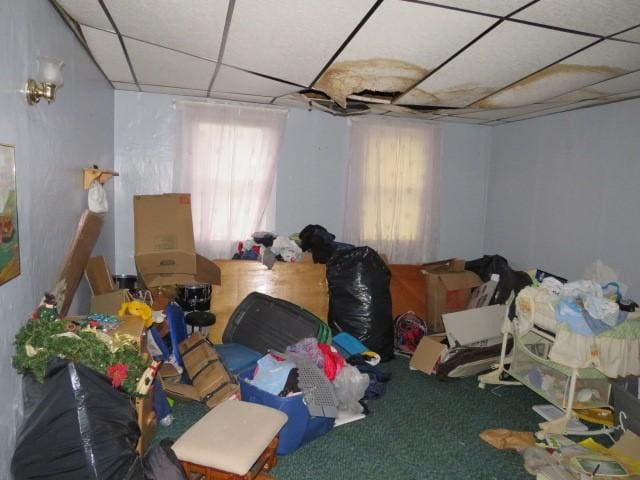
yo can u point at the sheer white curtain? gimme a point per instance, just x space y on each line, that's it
227 162
392 188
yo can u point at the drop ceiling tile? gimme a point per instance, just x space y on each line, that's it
600 17
509 52
193 27
158 66
106 49
125 86
458 111
173 91
632 35
558 109
293 100
501 113
451 119
494 7
600 62
622 84
237 81
290 39
241 98
86 12
398 46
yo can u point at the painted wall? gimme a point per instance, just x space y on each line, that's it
311 172
312 160
53 142
564 192
464 173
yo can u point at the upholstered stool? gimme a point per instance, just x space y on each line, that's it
235 440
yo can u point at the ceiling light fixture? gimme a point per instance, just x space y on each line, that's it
50 77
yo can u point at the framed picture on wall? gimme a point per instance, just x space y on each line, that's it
9 241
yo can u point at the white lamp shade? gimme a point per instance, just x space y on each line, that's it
50 70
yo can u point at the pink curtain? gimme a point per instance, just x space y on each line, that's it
392 188
228 160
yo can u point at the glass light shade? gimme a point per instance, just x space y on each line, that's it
50 70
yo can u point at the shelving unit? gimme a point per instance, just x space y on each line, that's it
103 176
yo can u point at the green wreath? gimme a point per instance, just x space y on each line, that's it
40 340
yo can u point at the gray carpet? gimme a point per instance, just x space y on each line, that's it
420 429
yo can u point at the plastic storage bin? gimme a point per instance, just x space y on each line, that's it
237 358
301 427
550 380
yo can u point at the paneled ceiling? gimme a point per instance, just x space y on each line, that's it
468 61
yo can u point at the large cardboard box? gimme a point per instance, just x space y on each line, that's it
164 243
449 288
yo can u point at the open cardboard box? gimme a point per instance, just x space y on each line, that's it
478 327
449 288
164 243
428 353
105 297
109 303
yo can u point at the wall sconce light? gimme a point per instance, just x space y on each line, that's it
50 74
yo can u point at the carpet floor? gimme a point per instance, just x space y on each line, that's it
420 429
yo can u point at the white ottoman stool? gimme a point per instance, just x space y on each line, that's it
235 440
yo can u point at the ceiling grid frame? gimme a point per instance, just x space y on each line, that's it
437 111
122 45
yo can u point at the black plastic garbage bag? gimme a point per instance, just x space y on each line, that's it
320 241
161 463
510 280
360 300
76 426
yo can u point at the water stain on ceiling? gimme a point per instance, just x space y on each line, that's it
438 61
542 85
384 75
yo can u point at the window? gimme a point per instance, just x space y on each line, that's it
391 188
228 163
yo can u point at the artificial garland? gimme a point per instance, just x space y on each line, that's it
39 340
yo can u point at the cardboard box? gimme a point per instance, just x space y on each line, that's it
164 243
109 303
428 353
478 327
132 326
105 297
448 289
209 377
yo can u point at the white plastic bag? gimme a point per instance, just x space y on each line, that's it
603 274
98 198
350 386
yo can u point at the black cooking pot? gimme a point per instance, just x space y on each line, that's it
126 282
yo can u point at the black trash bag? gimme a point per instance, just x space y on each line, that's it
76 426
321 243
360 300
510 280
161 463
